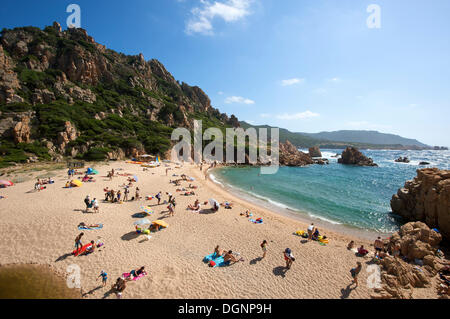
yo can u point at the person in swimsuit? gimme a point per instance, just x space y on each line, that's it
78 241
379 245
264 248
355 272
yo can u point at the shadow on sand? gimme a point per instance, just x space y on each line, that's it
130 236
345 293
280 271
63 257
254 261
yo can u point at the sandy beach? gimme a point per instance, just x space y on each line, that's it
40 227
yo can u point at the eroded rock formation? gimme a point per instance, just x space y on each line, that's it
426 198
291 156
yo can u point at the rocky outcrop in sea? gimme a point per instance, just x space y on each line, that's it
352 156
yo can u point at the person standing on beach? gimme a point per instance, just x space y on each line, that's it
78 241
355 272
310 231
138 197
158 197
87 201
95 204
379 245
104 276
264 248
170 196
125 194
288 257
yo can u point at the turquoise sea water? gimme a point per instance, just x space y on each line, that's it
340 194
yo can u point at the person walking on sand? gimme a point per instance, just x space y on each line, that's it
78 241
355 272
125 194
264 248
104 276
288 257
310 231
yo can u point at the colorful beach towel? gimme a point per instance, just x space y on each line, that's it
209 257
100 226
127 275
256 221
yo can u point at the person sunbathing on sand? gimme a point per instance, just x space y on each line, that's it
136 273
228 257
247 214
196 205
82 224
227 205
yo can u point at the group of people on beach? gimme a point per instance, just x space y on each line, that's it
118 196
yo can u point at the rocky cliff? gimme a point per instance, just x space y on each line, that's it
426 198
63 94
416 265
291 156
352 156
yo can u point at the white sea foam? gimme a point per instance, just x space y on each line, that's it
214 179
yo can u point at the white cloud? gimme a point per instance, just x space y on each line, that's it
227 10
238 99
293 81
297 116
264 115
220 93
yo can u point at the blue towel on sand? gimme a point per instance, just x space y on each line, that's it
209 257
255 222
84 228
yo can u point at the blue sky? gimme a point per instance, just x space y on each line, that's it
305 65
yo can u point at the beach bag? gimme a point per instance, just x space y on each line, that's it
212 263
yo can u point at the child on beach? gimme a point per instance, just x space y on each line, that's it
104 276
310 231
288 257
264 248
355 272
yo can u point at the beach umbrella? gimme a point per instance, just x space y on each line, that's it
6 183
76 182
147 209
161 223
135 178
212 201
143 221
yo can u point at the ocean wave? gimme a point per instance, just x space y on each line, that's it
214 179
